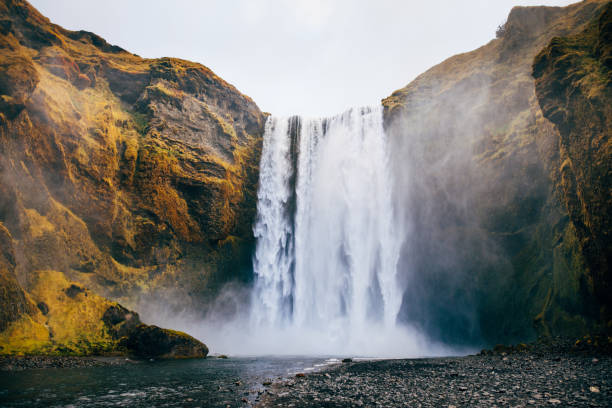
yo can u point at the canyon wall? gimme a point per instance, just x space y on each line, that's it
507 204
134 178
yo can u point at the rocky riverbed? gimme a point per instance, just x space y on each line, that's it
504 379
35 362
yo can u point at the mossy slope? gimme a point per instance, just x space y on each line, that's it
126 175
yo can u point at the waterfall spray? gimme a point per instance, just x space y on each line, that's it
327 241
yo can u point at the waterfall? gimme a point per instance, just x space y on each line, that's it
327 240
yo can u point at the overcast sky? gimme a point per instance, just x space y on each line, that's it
311 57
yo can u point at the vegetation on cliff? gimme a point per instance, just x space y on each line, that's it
125 179
496 255
574 87
126 176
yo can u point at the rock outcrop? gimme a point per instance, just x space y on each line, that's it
507 204
152 341
574 88
127 176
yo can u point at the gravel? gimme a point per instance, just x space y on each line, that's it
514 380
36 362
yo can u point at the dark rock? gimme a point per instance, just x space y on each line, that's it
120 321
152 341
573 87
44 309
13 300
74 290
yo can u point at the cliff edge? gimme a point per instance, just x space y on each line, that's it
124 176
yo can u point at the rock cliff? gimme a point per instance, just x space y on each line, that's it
123 176
574 88
507 241
125 179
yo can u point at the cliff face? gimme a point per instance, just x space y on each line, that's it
123 175
507 208
574 87
129 179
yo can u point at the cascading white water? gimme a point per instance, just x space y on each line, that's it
275 251
327 241
327 250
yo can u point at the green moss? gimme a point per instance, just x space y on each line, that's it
141 122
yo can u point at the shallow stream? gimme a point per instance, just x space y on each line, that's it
211 382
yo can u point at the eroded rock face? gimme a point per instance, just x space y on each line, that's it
125 169
128 176
493 253
574 88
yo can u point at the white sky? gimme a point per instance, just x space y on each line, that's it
310 57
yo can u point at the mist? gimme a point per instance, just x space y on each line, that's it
326 276
466 191
470 188
228 327
389 231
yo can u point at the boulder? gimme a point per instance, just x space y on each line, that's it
152 341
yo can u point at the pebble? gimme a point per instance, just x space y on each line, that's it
483 380
31 362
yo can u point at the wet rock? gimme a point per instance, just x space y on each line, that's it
152 341
479 381
44 309
120 321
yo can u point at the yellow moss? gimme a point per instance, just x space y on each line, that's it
24 336
136 276
73 324
229 240
131 150
163 89
227 128
38 225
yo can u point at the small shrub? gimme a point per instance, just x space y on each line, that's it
501 30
